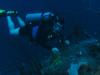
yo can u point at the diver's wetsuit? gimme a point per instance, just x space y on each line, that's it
39 32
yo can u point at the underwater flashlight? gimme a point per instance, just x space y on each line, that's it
11 13
2 12
8 13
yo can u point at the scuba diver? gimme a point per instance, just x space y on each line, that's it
39 28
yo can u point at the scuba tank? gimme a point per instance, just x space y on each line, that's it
37 18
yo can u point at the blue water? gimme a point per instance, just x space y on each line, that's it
14 50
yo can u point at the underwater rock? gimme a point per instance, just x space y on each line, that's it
98 71
85 70
57 66
81 54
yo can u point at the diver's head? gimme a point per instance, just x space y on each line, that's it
57 27
58 24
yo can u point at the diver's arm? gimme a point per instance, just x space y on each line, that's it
11 26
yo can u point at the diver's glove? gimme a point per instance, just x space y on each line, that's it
4 13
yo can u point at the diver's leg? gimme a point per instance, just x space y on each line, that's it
11 26
21 22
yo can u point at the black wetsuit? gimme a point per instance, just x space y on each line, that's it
38 33
38 30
